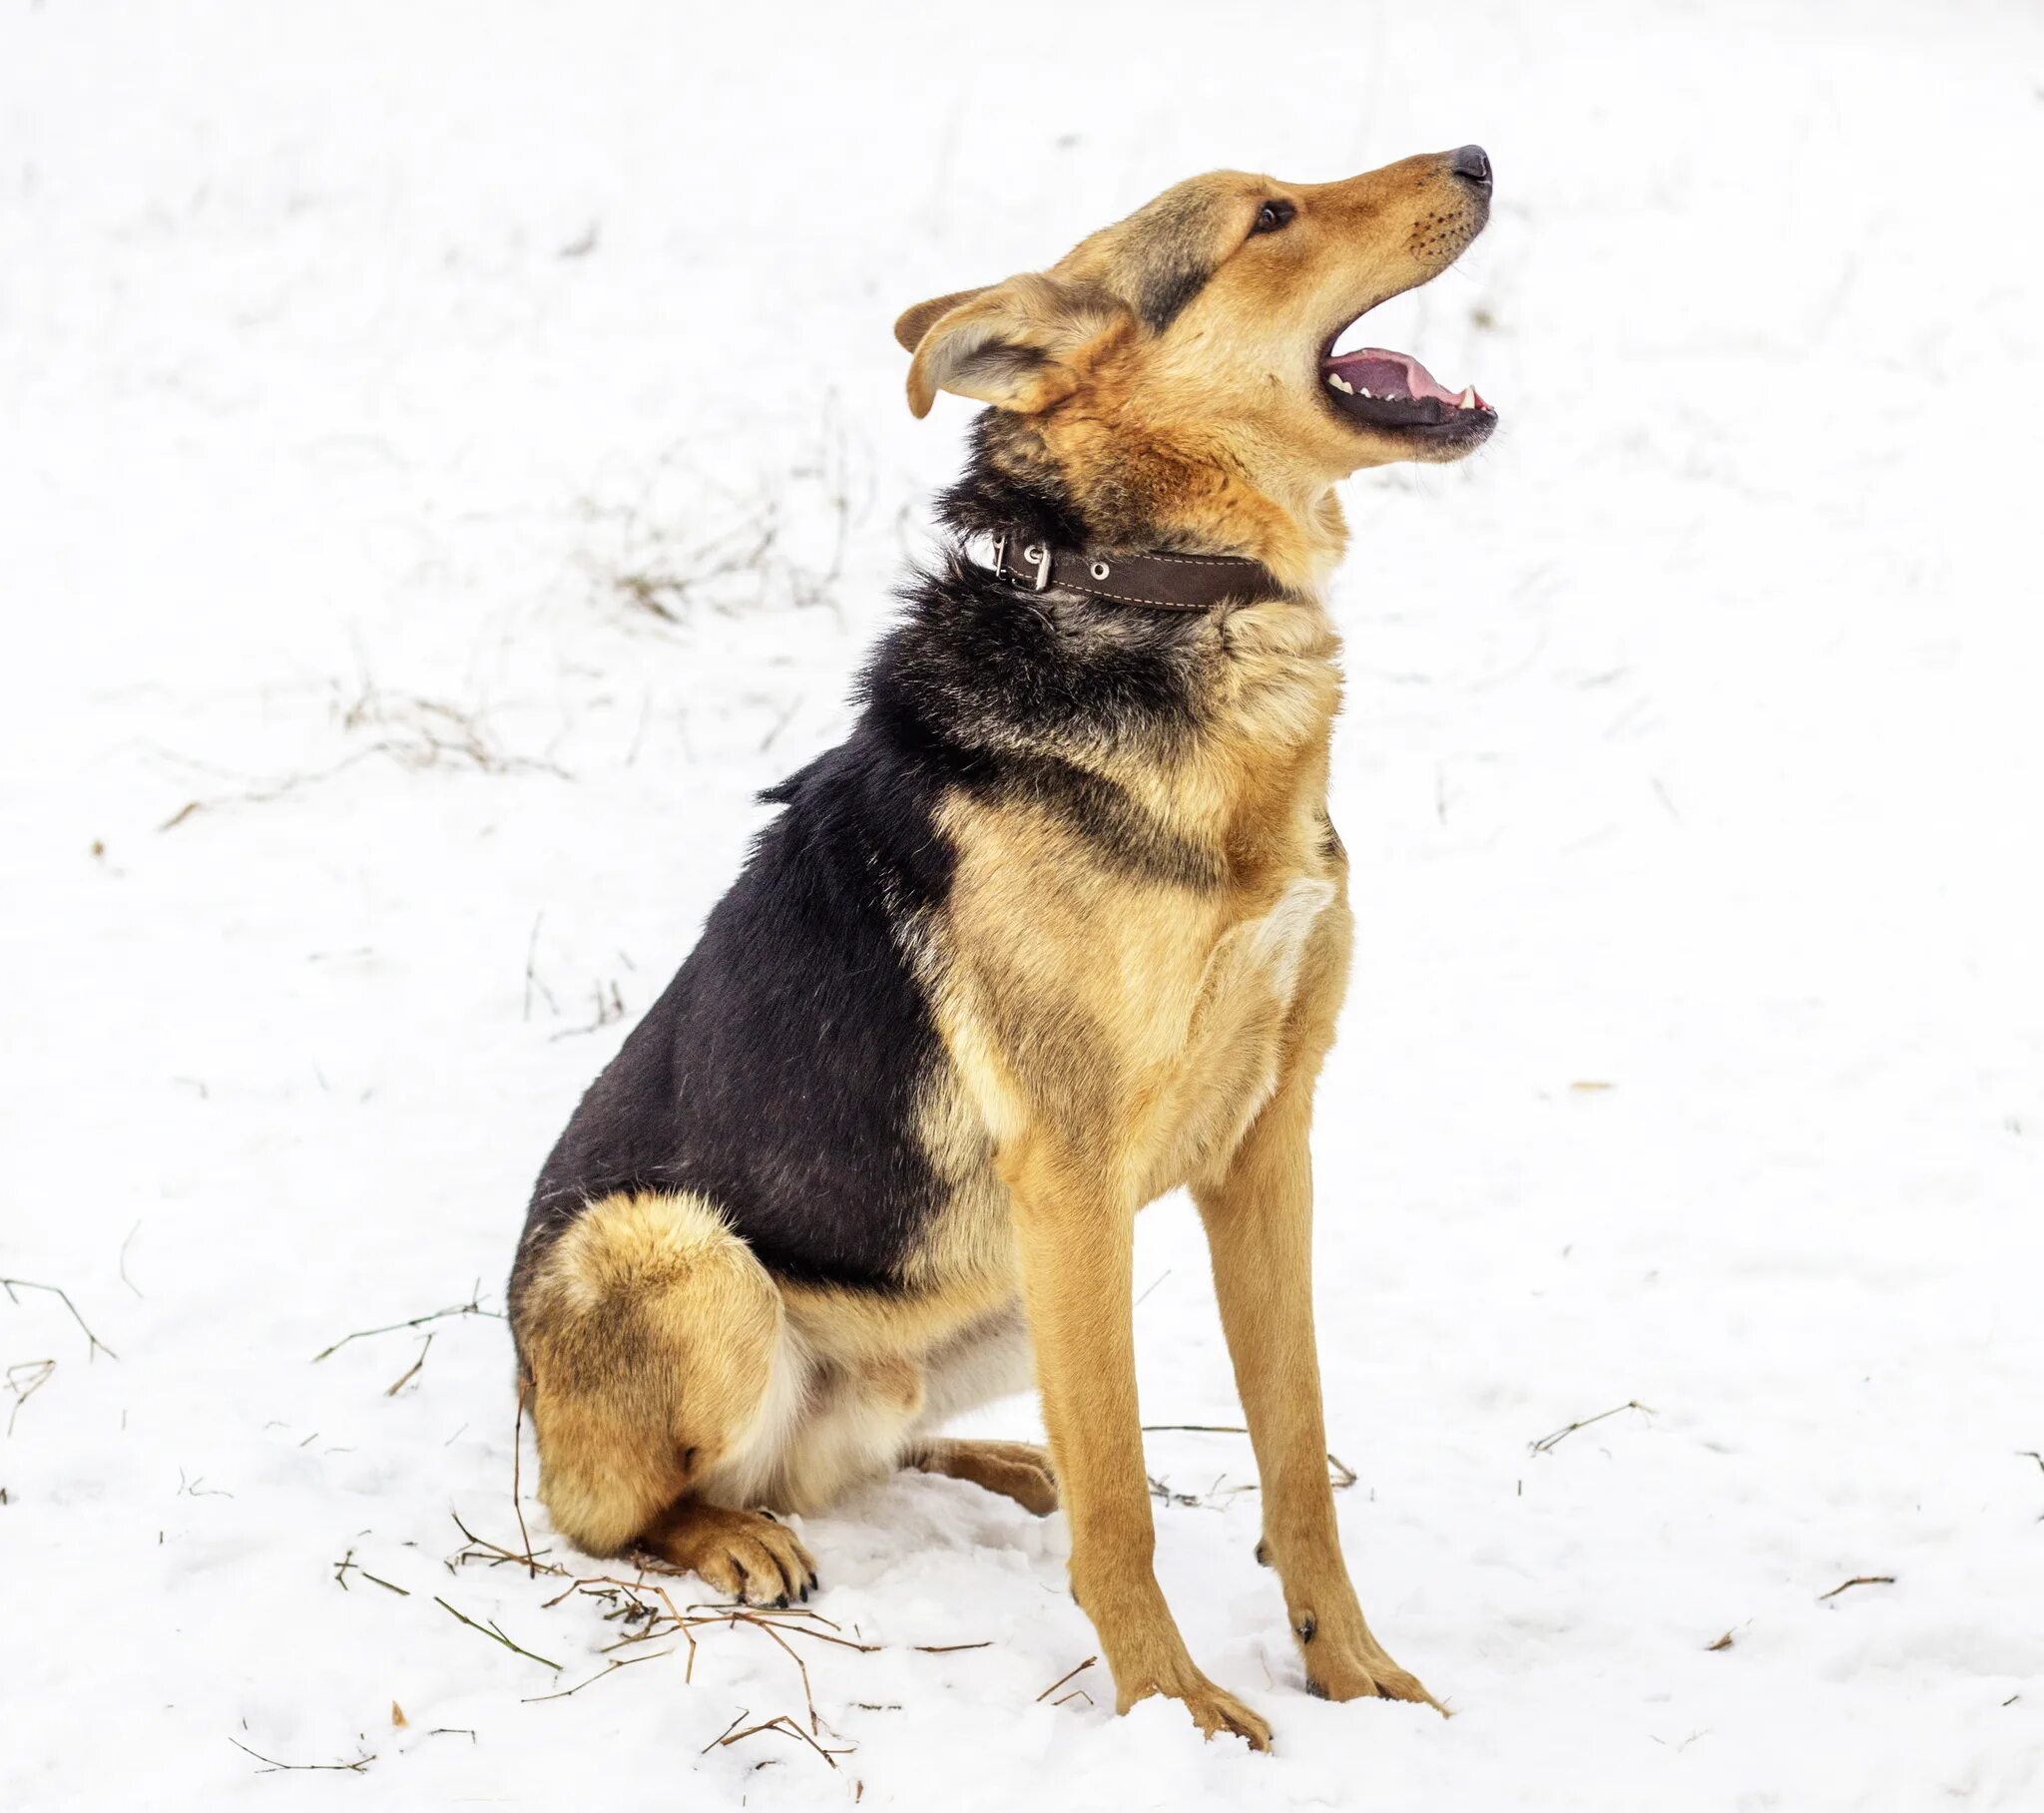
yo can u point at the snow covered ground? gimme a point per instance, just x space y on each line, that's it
462 451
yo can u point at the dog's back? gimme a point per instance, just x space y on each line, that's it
777 1073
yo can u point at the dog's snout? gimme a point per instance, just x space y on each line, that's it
1472 164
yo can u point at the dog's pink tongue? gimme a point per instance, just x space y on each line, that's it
1385 373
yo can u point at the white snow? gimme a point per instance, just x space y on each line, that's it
1692 749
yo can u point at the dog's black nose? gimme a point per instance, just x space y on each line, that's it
1472 164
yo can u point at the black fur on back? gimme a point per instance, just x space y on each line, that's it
777 1073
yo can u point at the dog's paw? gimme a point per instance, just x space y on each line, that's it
1359 1670
1016 1469
1020 1471
1215 1710
745 1555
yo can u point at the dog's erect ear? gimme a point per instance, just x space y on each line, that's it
915 322
1011 345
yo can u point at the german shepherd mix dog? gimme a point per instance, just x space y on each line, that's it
1061 925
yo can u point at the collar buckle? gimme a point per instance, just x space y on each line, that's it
1036 558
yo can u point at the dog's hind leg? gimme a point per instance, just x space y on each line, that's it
1016 1469
988 1360
650 1339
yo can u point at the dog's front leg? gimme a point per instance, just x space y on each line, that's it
1259 1219
1074 1239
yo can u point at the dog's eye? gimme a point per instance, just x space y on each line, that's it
1272 215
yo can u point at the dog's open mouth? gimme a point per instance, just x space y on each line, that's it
1386 389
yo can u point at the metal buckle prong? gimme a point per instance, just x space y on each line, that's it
1039 555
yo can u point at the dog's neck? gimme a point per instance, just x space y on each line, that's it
1069 482
1196 718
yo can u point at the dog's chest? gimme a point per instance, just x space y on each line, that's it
1263 978
1118 1010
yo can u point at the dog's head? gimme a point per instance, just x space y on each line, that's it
1188 351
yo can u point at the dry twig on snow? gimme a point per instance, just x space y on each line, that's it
25 1378
490 1630
1548 1442
779 1723
1340 1474
271 1767
603 1673
95 1344
410 1372
646 1604
408 729
474 1307
1064 1677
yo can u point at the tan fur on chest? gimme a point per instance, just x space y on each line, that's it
1140 1019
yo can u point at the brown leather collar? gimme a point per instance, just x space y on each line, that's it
1157 581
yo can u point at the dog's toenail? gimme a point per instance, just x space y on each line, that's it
1262 1554
1315 1688
781 1600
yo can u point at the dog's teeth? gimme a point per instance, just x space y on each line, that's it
1364 391
1343 384
1469 398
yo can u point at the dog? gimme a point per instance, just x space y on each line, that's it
1060 926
